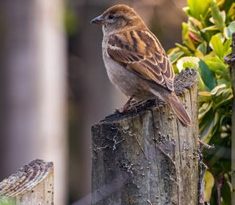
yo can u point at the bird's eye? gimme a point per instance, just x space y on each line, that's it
111 16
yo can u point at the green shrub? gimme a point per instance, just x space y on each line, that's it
206 40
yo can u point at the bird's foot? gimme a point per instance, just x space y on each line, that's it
127 106
131 105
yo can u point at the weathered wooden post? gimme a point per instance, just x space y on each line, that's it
231 61
146 156
32 184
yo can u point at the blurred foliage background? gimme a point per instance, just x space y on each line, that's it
206 41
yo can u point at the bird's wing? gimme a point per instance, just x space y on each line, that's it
141 53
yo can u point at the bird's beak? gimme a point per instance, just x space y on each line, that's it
98 20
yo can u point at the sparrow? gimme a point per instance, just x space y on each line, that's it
135 60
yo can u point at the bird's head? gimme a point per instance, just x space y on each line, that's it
118 18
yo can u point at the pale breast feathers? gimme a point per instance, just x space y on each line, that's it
141 52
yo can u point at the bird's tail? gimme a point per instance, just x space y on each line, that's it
178 109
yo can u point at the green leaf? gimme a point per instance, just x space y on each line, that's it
231 13
207 75
175 54
223 15
202 48
188 62
209 182
226 193
210 28
228 31
227 46
187 36
218 66
184 49
218 89
207 125
198 9
222 95
204 96
204 108
217 16
216 43
195 23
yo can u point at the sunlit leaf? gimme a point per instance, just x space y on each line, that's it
204 97
217 15
218 89
198 9
216 43
195 23
223 15
227 46
216 64
184 49
187 36
210 28
209 182
188 62
220 2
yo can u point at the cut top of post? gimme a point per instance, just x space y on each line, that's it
24 185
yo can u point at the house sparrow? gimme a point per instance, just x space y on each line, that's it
134 59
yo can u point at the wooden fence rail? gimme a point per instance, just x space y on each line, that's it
33 184
150 155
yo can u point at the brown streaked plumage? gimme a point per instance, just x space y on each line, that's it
134 59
